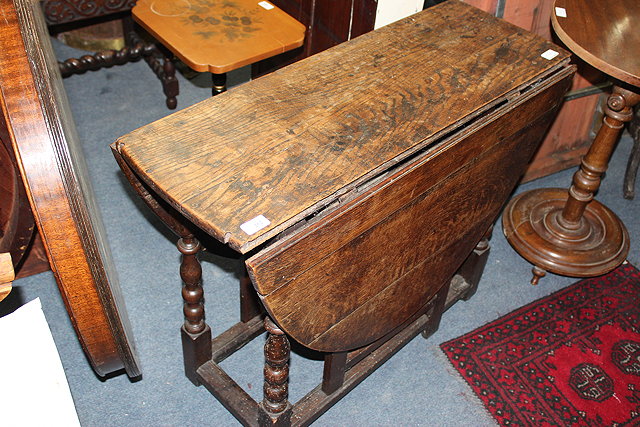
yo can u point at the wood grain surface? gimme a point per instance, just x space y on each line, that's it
378 259
44 140
604 34
287 145
570 135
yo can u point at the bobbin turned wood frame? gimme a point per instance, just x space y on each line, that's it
65 12
342 370
362 213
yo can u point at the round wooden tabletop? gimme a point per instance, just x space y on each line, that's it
603 33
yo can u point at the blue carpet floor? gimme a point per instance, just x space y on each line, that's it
416 387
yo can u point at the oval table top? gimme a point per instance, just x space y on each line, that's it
603 33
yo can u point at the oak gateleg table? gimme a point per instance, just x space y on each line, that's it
360 185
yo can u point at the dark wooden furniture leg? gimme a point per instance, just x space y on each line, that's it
437 308
218 83
465 283
570 233
275 409
165 71
134 50
634 158
249 303
196 334
342 372
335 366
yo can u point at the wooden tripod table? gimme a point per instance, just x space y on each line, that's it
569 233
362 203
219 36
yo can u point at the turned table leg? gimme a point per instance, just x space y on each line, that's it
165 70
275 409
569 233
219 83
196 334
169 82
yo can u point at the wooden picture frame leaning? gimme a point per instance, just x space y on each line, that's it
49 157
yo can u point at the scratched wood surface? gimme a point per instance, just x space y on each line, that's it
287 144
377 259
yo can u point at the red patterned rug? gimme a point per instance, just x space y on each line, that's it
572 358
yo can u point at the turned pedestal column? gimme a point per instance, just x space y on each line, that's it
567 232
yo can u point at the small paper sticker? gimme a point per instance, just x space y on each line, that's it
254 225
549 54
266 5
561 12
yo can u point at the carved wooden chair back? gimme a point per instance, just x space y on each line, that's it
61 13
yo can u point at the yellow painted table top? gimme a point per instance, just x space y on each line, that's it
219 35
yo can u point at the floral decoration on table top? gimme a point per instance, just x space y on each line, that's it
221 18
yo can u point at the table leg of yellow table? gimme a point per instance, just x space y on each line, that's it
219 83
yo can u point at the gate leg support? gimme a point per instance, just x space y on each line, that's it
196 334
275 409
